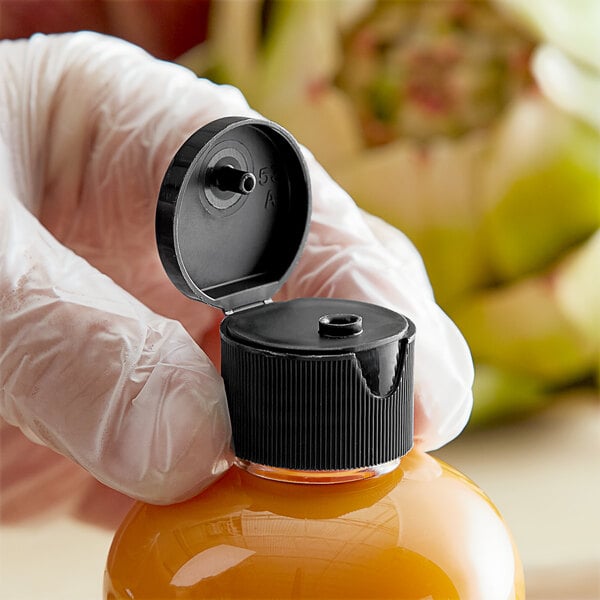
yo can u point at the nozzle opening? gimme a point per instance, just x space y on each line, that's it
230 179
340 325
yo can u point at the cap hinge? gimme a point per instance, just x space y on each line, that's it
239 309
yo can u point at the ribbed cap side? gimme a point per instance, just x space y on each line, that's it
315 412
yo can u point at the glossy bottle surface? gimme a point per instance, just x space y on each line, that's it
421 531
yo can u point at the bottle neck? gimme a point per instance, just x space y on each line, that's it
316 477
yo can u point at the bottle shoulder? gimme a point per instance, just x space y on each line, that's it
424 519
418 477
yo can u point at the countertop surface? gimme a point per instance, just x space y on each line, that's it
543 473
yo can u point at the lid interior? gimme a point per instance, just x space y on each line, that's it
234 247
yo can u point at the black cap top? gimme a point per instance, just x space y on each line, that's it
318 326
233 212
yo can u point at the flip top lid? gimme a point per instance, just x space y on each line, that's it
233 212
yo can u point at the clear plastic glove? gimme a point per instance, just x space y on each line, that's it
93 363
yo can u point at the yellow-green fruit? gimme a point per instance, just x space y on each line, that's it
541 188
542 326
432 196
500 394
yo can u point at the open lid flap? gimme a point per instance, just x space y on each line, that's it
233 212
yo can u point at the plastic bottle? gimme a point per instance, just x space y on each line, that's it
327 498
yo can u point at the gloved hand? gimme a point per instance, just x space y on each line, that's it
93 363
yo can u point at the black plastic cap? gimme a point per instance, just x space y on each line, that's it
308 399
312 384
233 212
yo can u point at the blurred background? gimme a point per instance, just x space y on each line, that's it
473 127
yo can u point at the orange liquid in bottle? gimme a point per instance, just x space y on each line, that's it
421 531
